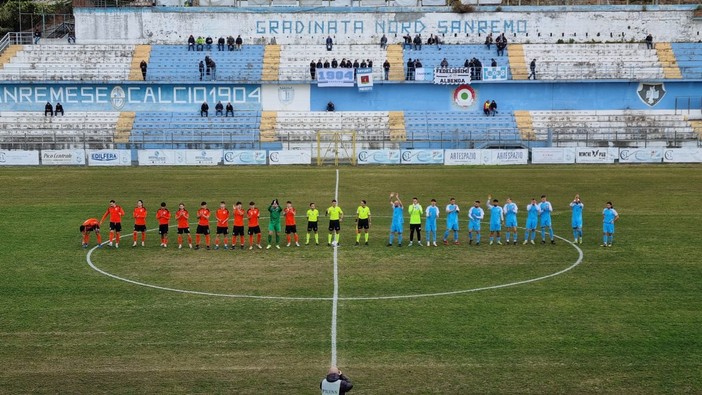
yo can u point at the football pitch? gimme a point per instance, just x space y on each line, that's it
447 319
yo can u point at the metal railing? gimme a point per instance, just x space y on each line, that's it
14 38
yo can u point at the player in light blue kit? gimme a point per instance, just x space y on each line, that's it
533 211
452 211
510 209
496 219
432 213
545 216
576 207
397 219
475 215
609 217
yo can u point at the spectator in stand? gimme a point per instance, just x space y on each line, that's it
383 42
430 40
320 64
649 41
240 42
370 63
313 69
219 108
230 43
71 38
334 63
501 44
488 41
493 62
207 66
326 64
386 69
486 108
356 64
58 109
204 108
418 42
143 66
48 109
208 42
444 63
478 69
201 67
230 109
330 43
438 41
410 70
417 64
407 43
191 43
200 43
532 67
37 36
330 106
213 66
493 108
364 64
220 44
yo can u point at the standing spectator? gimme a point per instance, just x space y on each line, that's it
383 42
71 38
444 63
430 40
219 107
204 108
208 42
532 67
417 42
334 63
213 66
37 36
313 70
488 41
330 43
207 66
191 43
220 44
326 64
58 109
143 66
407 43
386 69
649 41
48 109
410 70
363 64
201 67
200 43
230 43
370 63
493 62
319 64
240 42
478 69
330 106
493 111
230 110
335 382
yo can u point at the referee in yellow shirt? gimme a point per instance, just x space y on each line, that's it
363 221
336 215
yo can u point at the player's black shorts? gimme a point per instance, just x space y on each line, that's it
238 231
290 229
183 230
222 230
334 224
312 226
163 229
203 230
95 228
116 226
254 230
363 223
415 227
140 228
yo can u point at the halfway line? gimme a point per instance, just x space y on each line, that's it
335 297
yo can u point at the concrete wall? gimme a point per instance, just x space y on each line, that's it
173 25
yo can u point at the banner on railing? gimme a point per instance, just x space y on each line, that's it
463 157
422 156
109 157
596 155
289 157
682 155
452 75
379 157
495 73
328 78
244 157
640 155
63 157
552 155
505 156
19 158
198 157
160 157
364 79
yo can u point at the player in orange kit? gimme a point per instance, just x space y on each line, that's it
238 229
182 216
115 212
90 225
139 222
290 226
203 225
222 216
163 216
254 229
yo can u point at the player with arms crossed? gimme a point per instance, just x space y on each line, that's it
163 216
139 222
363 221
182 217
576 207
238 229
90 225
475 215
115 213
415 211
432 214
397 219
253 214
609 217
222 216
336 215
510 209
496 219
312 224
290 225
203 225
545 217
452 211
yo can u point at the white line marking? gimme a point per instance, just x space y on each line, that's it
335 298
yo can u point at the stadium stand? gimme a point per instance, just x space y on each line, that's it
176 63
69 62
456 55
302 126
295 59
33 130
689 59
451 130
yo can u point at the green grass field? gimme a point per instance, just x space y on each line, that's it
628 319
